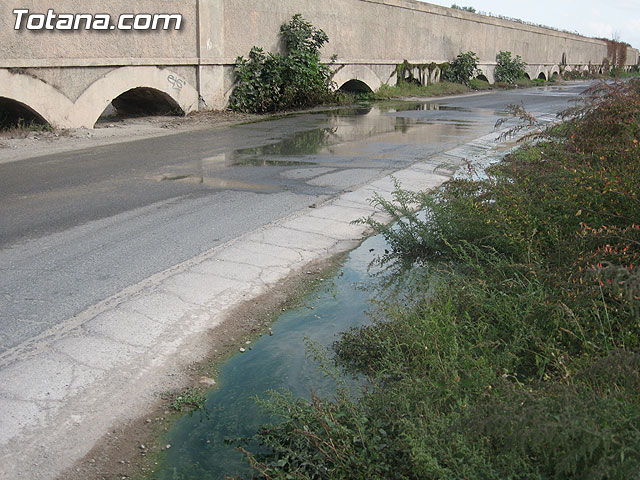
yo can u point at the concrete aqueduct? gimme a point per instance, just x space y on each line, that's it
69 78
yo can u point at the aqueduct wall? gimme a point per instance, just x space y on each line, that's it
68 78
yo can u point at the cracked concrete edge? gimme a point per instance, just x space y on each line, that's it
104 366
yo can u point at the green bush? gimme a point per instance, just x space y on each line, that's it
462 69
508 69
274 82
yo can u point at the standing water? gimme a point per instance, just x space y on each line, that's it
278 362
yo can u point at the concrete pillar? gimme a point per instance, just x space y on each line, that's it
211 51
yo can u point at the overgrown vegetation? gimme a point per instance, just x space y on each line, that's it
520 357
269 82
509 69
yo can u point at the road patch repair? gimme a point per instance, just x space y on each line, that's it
104 367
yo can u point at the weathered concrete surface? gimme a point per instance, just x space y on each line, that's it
110 360
69 77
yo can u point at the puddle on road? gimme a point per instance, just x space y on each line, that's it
213 182
384 136
351 131
552 91
279 362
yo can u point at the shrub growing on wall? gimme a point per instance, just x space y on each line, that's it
466 9
509 69
462 69
274 81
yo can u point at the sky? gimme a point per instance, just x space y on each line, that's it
592 18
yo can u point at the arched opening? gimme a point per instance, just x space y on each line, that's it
351 76
527 76
17 114
483 78
542 76
554 77
355 86
142 101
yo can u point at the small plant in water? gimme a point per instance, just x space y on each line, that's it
189 399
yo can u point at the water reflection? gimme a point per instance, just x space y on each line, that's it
347 130
388 135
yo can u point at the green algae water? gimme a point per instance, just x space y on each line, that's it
279 362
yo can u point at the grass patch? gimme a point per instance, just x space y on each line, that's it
631 74
441 89
526 83
22 127
414 90
477 84
519 357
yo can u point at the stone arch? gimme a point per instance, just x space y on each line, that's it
488 72
542 75
133 81
355 86
527 76
532 71
37 96
12 113
555 70
359 73
146 101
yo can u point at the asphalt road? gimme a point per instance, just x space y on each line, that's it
76 228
